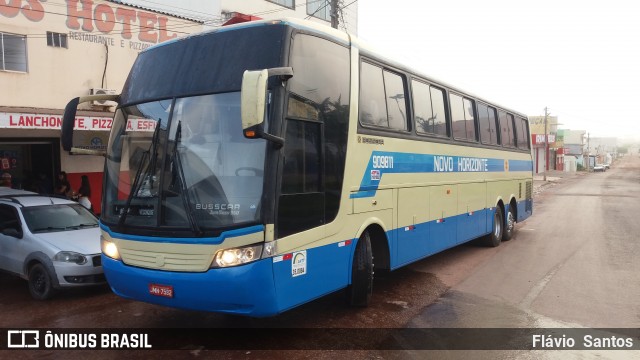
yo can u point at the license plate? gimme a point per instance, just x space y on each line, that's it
161 290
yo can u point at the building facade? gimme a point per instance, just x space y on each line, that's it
605 149
215 13
314 10
52 52
573 148
544 156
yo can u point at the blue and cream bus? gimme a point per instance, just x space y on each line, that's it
256 167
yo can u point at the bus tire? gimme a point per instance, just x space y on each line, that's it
494 238
361 288
509 226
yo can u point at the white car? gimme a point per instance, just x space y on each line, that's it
53 243
599 167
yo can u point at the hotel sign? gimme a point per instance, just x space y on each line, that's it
96 18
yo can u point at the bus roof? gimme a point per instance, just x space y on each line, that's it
346 39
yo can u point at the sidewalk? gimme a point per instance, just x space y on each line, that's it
553 177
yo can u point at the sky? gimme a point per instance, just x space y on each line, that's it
578 58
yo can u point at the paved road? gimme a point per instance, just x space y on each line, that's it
574 264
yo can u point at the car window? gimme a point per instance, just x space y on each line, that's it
9 218
61 217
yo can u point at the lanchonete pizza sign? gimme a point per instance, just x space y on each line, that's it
54 122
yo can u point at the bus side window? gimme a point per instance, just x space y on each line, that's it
396 101
507 133
523 138
462 118
383 101
487 121
439 112
470 122
373 110
428 103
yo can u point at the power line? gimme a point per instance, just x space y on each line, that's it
349 4
122 2
319 8
344 22
185 23
106 21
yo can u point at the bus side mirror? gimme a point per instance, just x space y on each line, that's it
69 119
253 102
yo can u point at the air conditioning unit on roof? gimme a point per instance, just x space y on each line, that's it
97 91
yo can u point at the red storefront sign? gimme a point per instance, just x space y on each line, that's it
537 139
54 122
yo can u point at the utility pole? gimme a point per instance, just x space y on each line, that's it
588 153
546 145
334 14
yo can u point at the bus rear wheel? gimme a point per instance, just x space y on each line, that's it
361 288
494 238
509 226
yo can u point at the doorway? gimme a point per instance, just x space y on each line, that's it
32 163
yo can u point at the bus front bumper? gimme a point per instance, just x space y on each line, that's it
243 290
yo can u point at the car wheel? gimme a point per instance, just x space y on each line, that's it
509 226
495 237
361 288
40 284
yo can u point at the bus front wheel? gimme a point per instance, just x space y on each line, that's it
361 288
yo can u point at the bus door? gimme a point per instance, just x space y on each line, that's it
301 203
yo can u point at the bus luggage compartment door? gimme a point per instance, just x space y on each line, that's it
382 199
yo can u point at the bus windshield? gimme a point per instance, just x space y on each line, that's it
183 164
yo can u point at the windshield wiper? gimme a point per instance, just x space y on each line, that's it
184 193
49 228
136 180
85 225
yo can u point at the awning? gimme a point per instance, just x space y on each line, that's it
237 18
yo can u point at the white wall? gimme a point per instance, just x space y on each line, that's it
207 11
269 10
99 53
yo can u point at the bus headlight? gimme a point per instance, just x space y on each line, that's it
237 256
109 248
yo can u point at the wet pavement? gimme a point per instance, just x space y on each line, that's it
572 266
431 293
